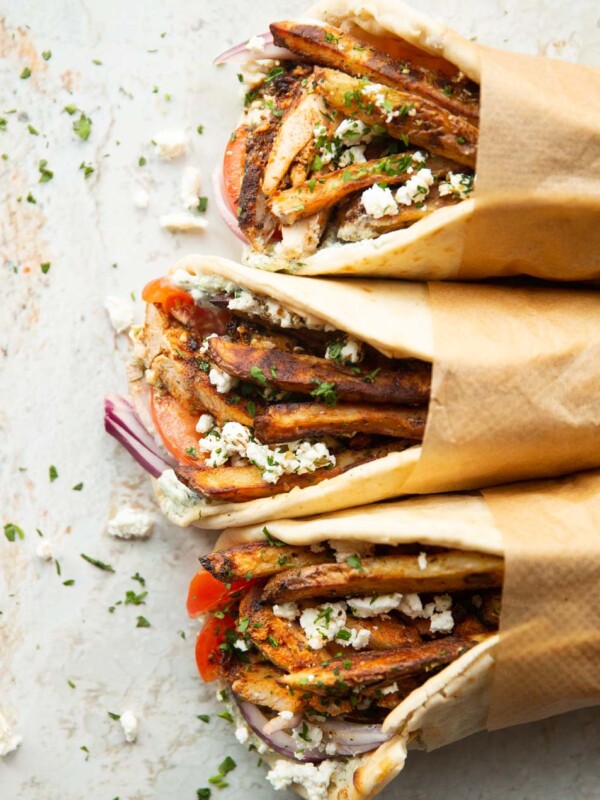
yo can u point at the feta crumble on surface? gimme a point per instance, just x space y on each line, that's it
141 198
129 724
323 623
130 523
416 188
378 202
205 423
120 313
170 143
364 607
438 613
242 734
353 155
44 550
182 222
244 301
442 622
222 381
191 181
313 779
286 610
306 737
9 741
422 560
458 184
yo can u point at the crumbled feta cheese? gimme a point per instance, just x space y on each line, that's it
443 602
129 724
327 149
323 623
130 523
170 143
331 748
442 622
353 131
8 740
222 381
182 222
241 645
257 113
344 548
378 202
201 287
313 779
286 610
245 301
359 639
190 187
422 560
393 687
306 737
416 188
141 198
411 605
44 550
364 607
205 423
350 353
242 734
120 313
353 155
458 184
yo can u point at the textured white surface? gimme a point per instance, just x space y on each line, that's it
59 356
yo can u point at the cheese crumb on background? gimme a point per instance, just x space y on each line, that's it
171 143
182 222
8 740
141 198
190 187
120 312
129 724
44 550
130 523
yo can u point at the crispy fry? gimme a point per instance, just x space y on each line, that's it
306 199
331 47
490 608
257 684
408 384
401 114
286 422
238 484
387 633
279 640
259 559
376 667
452 570
293 134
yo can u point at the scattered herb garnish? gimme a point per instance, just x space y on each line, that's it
83 126
78 487
87 169
258 375
203 717
53 473
12 531
354 562
95 563
47 55
133 599
112 715
32 130
142 622
45 267
325 391
25 74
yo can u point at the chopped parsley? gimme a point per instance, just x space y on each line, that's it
87 169
258 375
370 377
344 634
227 766
226 715
274 73
112 715
47 55
70 582
142 622
95 563
78 487
272 642
33 130
202 204
25 74
70 109
203 794
141 161
83 126
45 174
203 717
329 37
354 562
271 539
200 129
53 473
325 391
71 684
12 532
133 599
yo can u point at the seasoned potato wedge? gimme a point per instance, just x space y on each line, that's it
259 559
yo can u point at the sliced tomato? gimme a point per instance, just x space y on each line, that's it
177 428
234 162
204 319
208 652
206 593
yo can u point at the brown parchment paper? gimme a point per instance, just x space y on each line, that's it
548 657
536 203
537 195
516 386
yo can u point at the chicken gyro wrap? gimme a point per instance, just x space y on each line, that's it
375 140
342 641
281 396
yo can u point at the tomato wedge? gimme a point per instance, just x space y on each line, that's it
208 652
234 162
163 291
204 319
177 428
209 594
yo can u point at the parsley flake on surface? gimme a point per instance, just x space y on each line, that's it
258 375
354 561
47 55
53 473
32 130
45 266
95 563
78 487
70 109
87 169
142 622
25 74
325 391
83 126
12 532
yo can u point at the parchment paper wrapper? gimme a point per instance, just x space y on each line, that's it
545 660
514 394
536 202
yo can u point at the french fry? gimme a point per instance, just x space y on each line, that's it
377 667
310 197
409 384
238 484
258 559
279 640
331 47
452 570
286 422
387 633
401 114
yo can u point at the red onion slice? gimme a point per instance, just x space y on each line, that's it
121 422
223 206
351 738
241 51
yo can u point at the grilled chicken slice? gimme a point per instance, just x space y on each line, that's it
331 47
452 570
239 484
303 162
294 133
279 640
306 199
408 384
401 114
387 632
377 667
275 97
302 238
353 224
286 422
257 684
258 559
